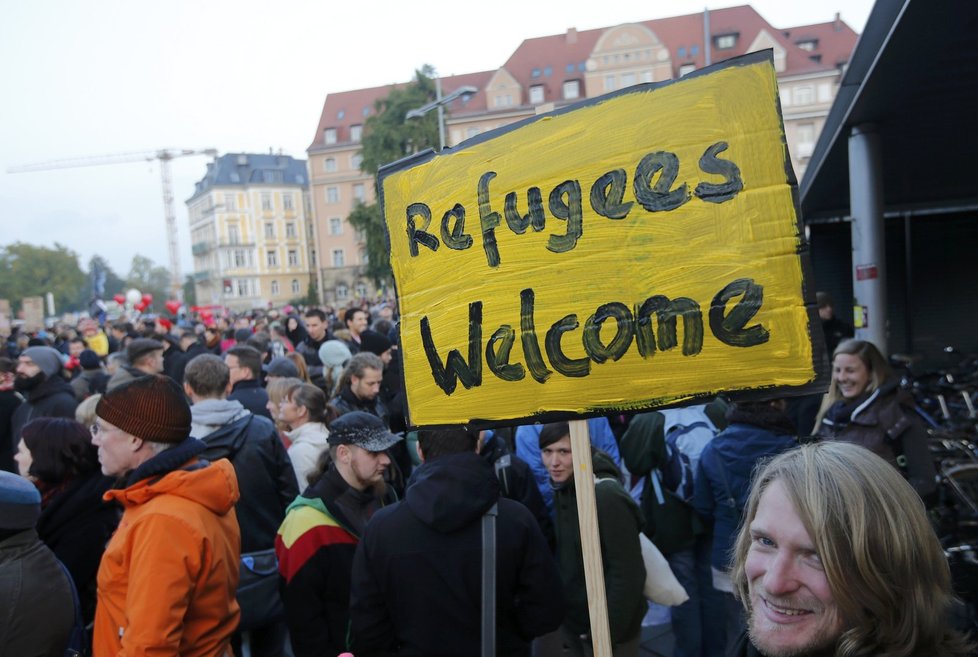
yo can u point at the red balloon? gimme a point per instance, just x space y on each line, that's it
147 298
173 306
141 306
119 299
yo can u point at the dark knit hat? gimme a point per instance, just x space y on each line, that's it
361 429
47 358
89 360
142 346
149 407
374 342
281 366
242 335
20 502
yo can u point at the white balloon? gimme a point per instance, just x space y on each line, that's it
134 296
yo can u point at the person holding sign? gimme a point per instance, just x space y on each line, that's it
619 523
835 552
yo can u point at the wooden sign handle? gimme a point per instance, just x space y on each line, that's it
590 543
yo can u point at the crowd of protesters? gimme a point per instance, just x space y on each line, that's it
244 484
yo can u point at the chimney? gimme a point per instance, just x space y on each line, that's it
838 22
571 35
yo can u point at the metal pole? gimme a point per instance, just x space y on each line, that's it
868 236
176 285
707 43
441 115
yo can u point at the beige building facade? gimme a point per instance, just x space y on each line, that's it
251 233
553 71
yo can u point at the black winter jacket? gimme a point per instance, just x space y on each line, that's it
36 614
53 397
315 549
265 476
76 524
417 574
252 396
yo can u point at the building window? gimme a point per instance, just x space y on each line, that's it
290 229
332 194
295 286
329 135
329 165
803 95
806 139
356 131
358 192
362 290
686 68
266 202
358 235
293 258
355 161
627 79
646 76
725 41
471 132
808 45
825 92
694 50
335 226
271 258
242 287
572 89
275 291
234 236
503 100
535 73
287 202
536 94
364 257
342 291
239 257
230 204
609 83
340 115
312 256
269 230
339 259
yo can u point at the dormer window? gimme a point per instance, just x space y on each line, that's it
808 44
536 94
329 135
356 131
725 41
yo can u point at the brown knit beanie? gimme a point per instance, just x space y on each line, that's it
150 407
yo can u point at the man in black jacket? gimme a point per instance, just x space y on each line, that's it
244 363
46 393
417 574
265 477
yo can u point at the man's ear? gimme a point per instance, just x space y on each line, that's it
417 446
136 443
188 390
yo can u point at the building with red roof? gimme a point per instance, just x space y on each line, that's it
548 72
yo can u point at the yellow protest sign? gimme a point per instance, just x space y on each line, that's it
635 250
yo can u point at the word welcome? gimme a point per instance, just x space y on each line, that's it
632 325
652 184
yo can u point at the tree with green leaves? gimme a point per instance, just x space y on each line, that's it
27 270
189 291
388 136
148 277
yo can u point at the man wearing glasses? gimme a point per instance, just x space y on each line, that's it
166 585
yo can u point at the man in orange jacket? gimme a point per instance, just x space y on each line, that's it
167 581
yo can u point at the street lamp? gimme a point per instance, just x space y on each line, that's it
439 103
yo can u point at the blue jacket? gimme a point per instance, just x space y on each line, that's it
734 452
528 449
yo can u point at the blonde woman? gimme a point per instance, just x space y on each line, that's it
865 405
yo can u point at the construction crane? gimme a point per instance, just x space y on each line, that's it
164 156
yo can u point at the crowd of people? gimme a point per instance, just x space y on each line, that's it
247 485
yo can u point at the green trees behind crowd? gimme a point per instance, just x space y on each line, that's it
27 270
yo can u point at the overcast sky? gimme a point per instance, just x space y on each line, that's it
105 77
